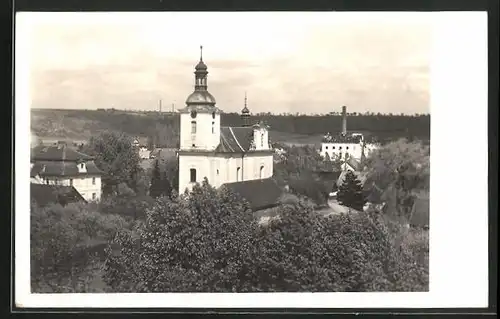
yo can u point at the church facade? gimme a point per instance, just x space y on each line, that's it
222 154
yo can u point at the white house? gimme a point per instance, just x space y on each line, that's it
221 154
61 165
344 145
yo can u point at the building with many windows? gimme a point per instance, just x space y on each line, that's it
61 165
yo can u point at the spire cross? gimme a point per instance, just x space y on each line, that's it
245 98
201 53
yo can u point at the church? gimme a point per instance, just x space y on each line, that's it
225 155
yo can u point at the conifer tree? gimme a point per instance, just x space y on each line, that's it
167 185
155 190
350 193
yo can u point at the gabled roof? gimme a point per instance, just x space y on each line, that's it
46 194
57 153
259 193
354 163
235 139
60 168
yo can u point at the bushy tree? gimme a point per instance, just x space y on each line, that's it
200 242
115 155
399 169
126 203
62 239
350 193
208 241
306 185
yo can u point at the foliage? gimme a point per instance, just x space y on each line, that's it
201 242
208 241
115 155
62 244
126 203
400 169
306 185
156 188
350 193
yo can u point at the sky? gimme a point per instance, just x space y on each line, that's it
286 62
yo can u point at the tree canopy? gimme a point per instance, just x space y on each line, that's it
209 241
115 155
350 193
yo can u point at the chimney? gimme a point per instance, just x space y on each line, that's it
344 120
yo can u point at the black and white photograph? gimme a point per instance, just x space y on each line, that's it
239 153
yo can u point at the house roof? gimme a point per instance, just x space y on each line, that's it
354 163
57 153
60 168
348 139
259 193
45 194
235 139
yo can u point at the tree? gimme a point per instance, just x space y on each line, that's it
157 185
63 242
350 193
115 155
200 242
399 169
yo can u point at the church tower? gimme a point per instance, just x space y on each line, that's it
200 119
245 114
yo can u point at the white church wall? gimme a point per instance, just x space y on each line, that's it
207 135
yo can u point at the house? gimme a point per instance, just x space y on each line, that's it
44 194
60 165
259 193
222 154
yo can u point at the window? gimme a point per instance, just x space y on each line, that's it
193 127
217 172
347 148
213 127
213 115
93 196
81 165
340 147
93 180
238 174
261 173
333 147
70 182
192 178
193 145
261 139
326 147
47 181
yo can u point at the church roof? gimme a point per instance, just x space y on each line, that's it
259 193
235 139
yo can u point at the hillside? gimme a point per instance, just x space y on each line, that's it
164 128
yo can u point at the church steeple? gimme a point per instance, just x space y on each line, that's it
201 96
245 113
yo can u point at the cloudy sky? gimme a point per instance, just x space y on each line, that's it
286 62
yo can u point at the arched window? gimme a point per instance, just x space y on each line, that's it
193 127
192 178
261 139
238 174
261 173
213 127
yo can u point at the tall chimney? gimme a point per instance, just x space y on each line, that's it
344 120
